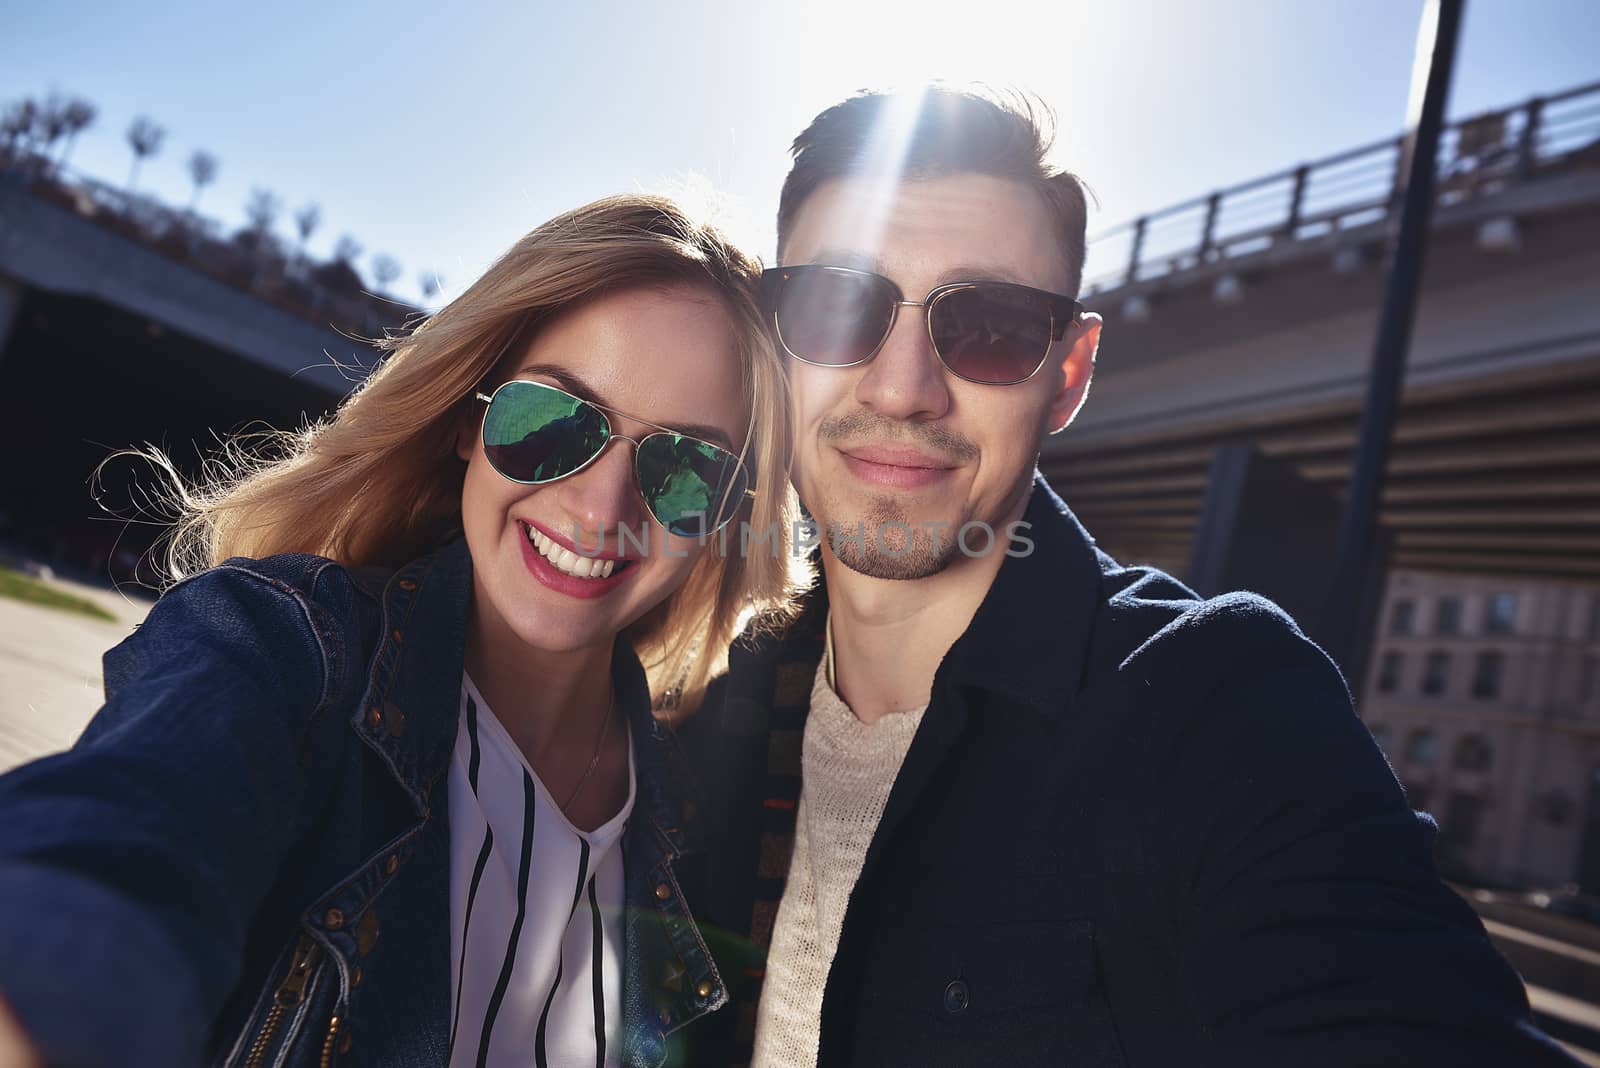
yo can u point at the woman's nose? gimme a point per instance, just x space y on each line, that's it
603 497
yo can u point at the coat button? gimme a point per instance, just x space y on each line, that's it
408 585
374 716
333 919
957 997
391 864
705 989
355 976
663 891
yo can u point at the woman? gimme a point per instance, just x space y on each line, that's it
381 784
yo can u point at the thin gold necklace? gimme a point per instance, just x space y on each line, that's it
594 761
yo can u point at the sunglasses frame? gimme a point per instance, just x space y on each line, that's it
611 435
1064 312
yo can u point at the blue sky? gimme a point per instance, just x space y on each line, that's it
440 133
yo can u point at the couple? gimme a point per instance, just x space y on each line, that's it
381 784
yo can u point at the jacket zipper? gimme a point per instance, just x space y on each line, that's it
289 995
327 1043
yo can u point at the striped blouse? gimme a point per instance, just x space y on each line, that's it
535 912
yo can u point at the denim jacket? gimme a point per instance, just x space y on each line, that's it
244 860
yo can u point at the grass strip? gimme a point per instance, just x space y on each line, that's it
20 587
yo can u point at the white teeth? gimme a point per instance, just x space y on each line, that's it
569 562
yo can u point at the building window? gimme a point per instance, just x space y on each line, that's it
1390 668
1436 673
1486 673
1401 618
1554 807
1422 745
1473 753
1447 616
1502 616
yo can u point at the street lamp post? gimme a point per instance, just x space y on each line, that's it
1430 85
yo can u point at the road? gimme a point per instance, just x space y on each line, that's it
50 669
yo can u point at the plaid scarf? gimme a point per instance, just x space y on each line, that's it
798 654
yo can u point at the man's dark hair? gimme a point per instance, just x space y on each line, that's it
956 132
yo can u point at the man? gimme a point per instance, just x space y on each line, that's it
996 799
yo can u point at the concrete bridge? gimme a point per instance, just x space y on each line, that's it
1248 316
124 322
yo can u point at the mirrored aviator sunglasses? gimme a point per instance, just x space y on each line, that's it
992 333
535 433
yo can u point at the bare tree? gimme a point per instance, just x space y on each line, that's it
262 210
347 250
202 172
386 269
145 138
305 222
430 283
50 123
78 115
16 126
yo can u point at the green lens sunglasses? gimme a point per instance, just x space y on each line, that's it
534 433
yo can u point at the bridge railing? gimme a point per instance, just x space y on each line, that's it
1478 156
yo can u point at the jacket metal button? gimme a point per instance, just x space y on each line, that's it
705 989
663 891
391 864
408 585
333 919
374 716
957 997
355 976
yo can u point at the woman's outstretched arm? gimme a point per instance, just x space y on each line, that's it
131 865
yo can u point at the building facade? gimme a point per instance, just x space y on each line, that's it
1485 695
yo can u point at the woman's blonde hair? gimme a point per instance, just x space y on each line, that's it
379 482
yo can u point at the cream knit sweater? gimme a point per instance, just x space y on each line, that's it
847 771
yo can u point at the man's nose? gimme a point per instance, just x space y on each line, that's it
905 380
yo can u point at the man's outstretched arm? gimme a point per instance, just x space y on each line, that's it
1315 928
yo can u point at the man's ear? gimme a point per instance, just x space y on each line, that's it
1075 351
